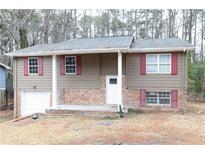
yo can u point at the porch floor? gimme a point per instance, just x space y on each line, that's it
86 108
102 108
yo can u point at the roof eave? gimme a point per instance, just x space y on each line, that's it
171 49
61 52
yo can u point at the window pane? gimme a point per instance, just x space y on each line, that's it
164 68
151 98
164 97
152 68
70 65
70 61
70 69
151 59
164 59
33 65
164 101
113 81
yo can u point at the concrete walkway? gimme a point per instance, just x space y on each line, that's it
103 108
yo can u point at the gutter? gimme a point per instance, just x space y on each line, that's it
61 52
173 49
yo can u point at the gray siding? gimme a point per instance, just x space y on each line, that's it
40 82
93 66
151 81
89 77
109 64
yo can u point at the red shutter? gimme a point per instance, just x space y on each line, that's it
40 66
26 66
62 65
174 98
143 97
174 64
78 65
143 64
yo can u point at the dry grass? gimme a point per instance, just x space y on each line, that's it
6 115
135 128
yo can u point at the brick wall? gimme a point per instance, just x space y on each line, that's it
97 96
131 97
85 96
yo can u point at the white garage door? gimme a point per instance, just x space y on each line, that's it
34 102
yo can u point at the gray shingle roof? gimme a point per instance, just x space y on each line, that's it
106 44
160 43
83 44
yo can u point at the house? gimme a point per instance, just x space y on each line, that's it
3 83
101 73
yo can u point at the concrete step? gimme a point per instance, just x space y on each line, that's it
106 110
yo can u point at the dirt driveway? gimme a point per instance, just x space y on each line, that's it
135 128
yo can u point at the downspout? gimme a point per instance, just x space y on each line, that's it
182 79
120 107
186 79
16 90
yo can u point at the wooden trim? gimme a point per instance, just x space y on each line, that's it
78 65
26 65
62 65
40 66
143 64
174 63
100 61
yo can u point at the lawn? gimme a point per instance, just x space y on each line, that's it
134 128
6 115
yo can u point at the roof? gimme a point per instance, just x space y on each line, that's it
6 67
105 45
166 44
84 45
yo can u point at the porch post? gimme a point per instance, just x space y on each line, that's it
54 81
120 78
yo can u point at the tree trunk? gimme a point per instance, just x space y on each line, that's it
90 23
75 24
183 24
161 24
123 22
146 24
202 36
190 25
195 28
136 25
23 38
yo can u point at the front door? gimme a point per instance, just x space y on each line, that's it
111 89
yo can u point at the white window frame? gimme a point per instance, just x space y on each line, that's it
158 64
29 66
71 65
158 104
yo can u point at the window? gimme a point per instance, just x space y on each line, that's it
158 98
33 65
113 80
158 63
70 64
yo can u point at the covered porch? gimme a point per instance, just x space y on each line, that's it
110 87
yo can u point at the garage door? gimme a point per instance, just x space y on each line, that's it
34 102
